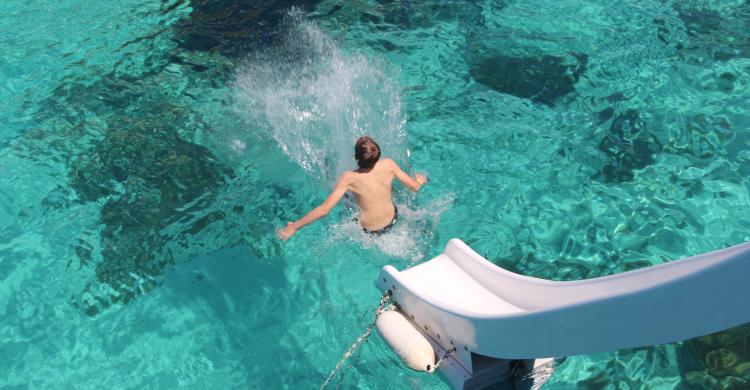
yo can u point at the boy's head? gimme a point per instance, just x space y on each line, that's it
366 152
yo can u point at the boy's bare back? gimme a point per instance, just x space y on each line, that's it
372 191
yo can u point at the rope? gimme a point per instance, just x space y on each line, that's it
361 339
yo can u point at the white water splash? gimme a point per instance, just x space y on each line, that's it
315 100
410 238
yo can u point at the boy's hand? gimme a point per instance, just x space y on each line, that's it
421 179
286 232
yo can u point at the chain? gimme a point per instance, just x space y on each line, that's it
445 355
539 375
361 339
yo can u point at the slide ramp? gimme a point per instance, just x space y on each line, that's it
459 299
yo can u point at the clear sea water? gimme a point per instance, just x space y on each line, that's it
148 151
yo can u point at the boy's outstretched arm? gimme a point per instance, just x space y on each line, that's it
413 184
319 212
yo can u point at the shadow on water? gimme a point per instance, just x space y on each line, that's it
156 176
234 27
401 15
710 35
719 360
144 170
129 138
542 79
629 145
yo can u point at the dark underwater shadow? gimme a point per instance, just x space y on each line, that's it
161 190
234 28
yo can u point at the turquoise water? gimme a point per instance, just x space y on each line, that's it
149 150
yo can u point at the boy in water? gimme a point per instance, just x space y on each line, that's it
371 185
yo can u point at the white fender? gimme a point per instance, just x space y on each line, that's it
407 342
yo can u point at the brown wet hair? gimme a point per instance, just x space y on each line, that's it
366 152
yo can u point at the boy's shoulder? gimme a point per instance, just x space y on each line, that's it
387 162
348 177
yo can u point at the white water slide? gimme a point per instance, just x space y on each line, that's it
494 317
